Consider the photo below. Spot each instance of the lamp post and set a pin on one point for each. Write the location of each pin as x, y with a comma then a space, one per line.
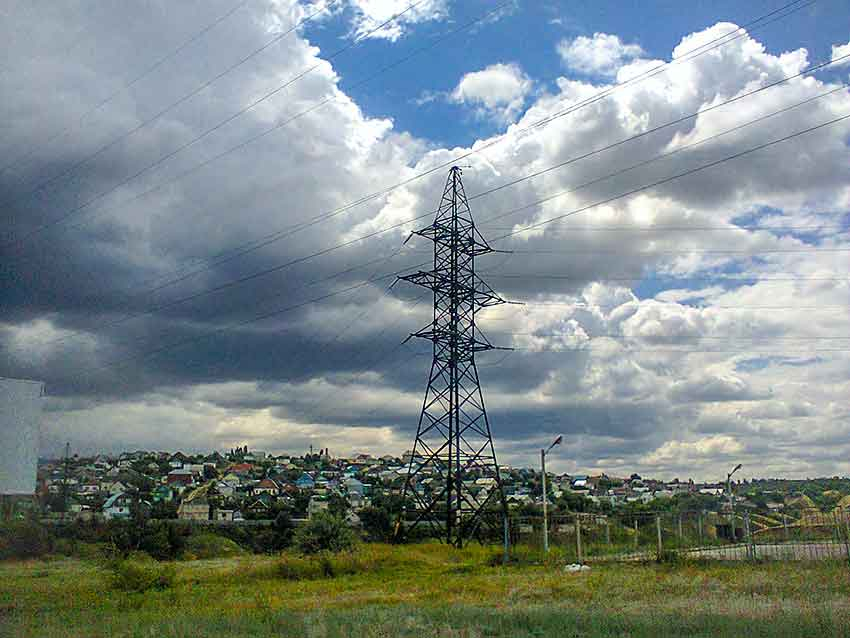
543, 453
731, 500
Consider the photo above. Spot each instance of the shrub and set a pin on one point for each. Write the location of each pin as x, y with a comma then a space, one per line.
283, 531
668, 556
77, 549
323, 565
297, 568
209, 545
324, 532
377, 524
141, 575
23, 539
156, 542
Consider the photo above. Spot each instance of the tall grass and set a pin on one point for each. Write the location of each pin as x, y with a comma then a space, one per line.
424, 590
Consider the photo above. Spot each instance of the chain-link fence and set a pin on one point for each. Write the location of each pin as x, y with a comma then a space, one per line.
747, 535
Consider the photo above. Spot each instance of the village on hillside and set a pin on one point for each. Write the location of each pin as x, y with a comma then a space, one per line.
247, 485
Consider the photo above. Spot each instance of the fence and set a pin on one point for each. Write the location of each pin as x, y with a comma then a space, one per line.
800, 535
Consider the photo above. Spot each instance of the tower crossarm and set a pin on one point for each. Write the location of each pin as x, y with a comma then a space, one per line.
477, 290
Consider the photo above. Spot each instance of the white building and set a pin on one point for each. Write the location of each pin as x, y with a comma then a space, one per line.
20, 419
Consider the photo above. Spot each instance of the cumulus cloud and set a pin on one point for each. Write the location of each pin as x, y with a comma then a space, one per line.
369, 14
661, 332
600, 54
498, 91
841, 51
684, 451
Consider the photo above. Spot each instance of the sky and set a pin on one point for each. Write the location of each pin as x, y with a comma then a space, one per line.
206, 202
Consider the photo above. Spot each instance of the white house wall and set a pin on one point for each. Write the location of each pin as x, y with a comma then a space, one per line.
20, 420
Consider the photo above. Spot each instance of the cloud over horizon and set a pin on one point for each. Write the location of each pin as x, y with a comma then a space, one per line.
668, 331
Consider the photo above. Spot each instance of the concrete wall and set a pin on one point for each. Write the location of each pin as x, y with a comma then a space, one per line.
20, 420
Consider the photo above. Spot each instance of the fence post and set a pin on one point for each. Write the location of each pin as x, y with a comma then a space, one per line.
637, 533
748, 537
658, 533
607, 532
785, 526
681, 535
506, 540
699, 526
846, 526
578, 537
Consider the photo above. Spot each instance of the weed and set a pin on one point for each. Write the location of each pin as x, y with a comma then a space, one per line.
141, 575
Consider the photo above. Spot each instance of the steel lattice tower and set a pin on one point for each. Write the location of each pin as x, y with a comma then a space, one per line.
454, 447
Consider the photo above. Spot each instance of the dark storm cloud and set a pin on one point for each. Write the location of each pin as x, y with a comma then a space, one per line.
151, 367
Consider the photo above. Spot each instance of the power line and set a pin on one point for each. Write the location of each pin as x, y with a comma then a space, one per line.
291, 262
578, 230
620, 336
592, 278
254, 319
686, 56
128, 85
650, 160
260, 135
177, 302
173, 105
672, 178
684, 118
583, 305
251, 247
297, 228
686, 351
679, 251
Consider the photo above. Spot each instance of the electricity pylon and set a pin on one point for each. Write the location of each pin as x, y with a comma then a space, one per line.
453, 480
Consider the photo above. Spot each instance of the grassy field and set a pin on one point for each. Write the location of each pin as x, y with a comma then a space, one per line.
426, 590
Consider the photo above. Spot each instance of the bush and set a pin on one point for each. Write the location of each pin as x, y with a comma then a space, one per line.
324, 532
23, 539
156, 542
325, 565
377, 524
71, 547
297, 568
209, 545
669, 556
141, 575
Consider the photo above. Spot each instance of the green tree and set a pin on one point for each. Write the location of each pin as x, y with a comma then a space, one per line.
337, 504
377, 523
324, 532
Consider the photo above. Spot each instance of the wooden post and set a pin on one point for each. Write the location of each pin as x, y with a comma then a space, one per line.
748, 536
637, 534
785, 526
506, 540
680, 529
846, 522
658, 534
699, 525
607, 532
578, 537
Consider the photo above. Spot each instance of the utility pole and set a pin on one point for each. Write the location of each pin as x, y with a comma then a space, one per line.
543, 453
731, 502
453, 439
65, 471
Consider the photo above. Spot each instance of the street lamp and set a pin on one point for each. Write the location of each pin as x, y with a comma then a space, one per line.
731, 500
543, 454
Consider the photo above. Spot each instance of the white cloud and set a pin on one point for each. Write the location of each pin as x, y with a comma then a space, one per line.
600, 54
681, 452
497, 91
368, 14
840, 51
709, 366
